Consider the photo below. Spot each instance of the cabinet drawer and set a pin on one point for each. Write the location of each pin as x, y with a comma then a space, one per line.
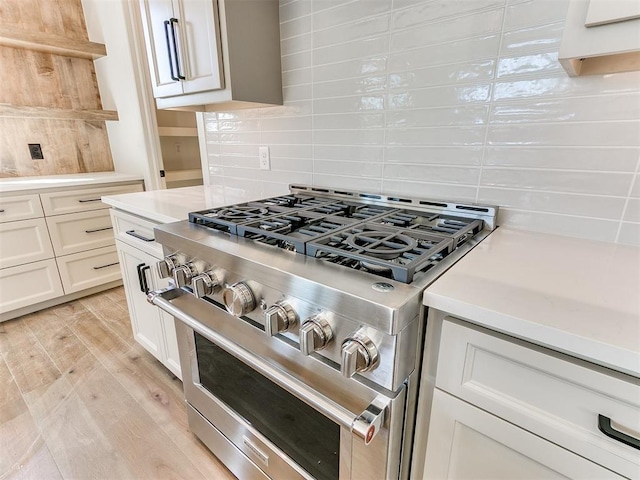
549, 394
23, 242
89, 269
71, 201
76, 232
136, 231
29, 284
20, 207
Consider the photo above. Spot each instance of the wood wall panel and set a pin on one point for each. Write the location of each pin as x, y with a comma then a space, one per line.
45, 80
59, 17
69, 146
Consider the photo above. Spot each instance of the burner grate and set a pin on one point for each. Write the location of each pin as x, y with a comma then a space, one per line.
457, 228
387, 251
294, 230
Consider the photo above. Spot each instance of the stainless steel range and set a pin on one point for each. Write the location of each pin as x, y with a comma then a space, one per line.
300, 325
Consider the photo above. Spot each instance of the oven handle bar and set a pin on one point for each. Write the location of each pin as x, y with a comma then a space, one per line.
365, 425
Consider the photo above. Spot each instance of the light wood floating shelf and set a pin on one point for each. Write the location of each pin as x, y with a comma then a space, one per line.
15, 111
178, 131
183, 175
48, 43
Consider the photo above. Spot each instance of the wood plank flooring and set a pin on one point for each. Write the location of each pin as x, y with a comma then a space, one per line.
79, 398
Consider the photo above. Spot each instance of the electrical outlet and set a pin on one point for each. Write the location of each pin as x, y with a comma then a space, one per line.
36, 151
265, 158
178, 147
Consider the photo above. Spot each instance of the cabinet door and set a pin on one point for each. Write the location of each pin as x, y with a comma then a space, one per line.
465, 442
172, 356
200, 57
160, 48
136, 269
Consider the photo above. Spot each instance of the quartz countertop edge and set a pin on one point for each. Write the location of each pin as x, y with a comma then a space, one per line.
22, 184
173, 205
575, 296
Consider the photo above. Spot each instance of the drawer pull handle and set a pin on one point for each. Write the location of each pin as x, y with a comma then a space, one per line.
89, 200
604, 425
105, 266
1, 210
98, 230
137, 235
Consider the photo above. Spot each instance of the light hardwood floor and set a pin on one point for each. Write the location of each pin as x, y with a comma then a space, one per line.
79, 398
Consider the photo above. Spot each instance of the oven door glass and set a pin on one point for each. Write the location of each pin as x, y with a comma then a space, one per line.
305, 435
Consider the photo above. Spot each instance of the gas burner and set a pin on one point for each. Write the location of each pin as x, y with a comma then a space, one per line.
381, 244
240, 213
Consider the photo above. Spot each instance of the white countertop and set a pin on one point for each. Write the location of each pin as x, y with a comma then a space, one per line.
165, 206
575, 296
15, 184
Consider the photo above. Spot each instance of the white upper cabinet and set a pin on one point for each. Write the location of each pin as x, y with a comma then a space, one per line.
207, 55
183, 46
601, 36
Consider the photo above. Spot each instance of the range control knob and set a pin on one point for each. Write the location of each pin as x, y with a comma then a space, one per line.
206, 283
279, 317
183, 274
165, 267
239, 299
315, 334
359, 354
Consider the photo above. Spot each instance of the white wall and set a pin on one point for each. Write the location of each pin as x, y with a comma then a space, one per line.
125, 87
452, 99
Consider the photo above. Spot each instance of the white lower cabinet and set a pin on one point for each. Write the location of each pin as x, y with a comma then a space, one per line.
152, 328
505, 408
28, 284
466, 442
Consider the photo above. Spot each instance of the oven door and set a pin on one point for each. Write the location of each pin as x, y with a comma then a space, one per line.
267, 411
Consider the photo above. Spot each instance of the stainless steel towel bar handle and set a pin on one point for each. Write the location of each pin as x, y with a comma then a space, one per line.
365, 425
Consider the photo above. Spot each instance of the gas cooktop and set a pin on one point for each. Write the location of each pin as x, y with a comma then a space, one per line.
391, 237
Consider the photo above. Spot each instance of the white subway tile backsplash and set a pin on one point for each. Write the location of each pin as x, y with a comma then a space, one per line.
582, 227
563, 158
471, 49
588, 134
349, 137
632, 211
351, 153
435, 10
430, 190
346, 87
545, 38
368, 27
433, 117
461, 136
349, 121
293, 28
457, 100
571, 204
351, 51
349, 69
576, 109
350, 169
457, 73
434, 155
301, 43
599, 183
540, 63
348, 182
432, 173
349, 11
535, 12
441, 96
629, 234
